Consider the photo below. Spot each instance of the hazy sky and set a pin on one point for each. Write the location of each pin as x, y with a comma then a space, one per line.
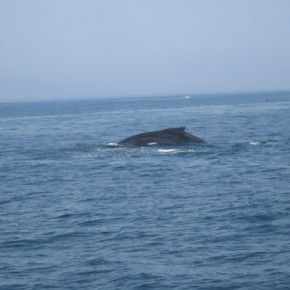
85, 48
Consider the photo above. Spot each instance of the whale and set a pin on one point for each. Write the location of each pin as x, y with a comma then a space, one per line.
170, 136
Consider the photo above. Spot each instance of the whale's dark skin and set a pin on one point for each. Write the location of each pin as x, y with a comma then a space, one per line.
171, 136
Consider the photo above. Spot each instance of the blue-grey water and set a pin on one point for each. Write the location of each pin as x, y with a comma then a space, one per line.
77, 212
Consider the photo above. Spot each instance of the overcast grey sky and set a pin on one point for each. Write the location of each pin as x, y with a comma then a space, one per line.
85, 48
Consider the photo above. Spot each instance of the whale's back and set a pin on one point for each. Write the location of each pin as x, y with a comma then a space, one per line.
170, 136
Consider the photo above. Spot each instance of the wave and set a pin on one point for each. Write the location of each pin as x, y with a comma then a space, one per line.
175, 151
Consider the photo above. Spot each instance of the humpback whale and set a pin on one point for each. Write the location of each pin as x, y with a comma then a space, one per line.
170, 136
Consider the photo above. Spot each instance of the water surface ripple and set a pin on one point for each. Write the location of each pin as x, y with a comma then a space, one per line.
77, 212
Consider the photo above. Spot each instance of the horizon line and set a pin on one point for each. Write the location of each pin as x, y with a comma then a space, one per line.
130, 96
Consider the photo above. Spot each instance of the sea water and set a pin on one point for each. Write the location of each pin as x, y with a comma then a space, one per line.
79, 212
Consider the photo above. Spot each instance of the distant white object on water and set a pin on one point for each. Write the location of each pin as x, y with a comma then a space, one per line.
256, 142
186, 97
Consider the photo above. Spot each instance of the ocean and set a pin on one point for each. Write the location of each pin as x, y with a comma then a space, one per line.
79, 212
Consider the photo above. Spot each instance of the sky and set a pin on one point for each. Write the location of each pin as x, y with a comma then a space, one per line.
74, 49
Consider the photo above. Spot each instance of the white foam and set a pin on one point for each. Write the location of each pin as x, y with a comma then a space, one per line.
183, 151
256, 142
113, 144
167, 150
153, 143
